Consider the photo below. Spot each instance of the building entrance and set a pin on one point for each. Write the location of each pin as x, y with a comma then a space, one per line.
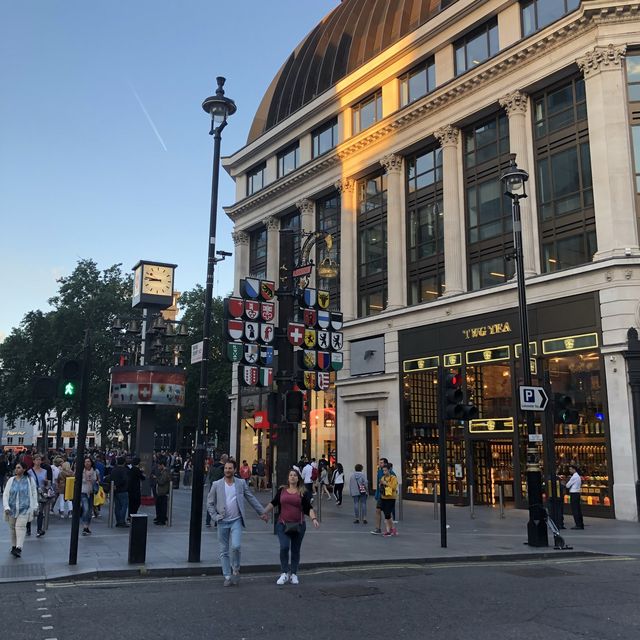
492, 468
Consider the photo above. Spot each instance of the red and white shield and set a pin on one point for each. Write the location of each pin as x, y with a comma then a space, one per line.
144, 392
267, 332
235, 307
267, 311
310, 316
252, 309
235, 329
295, 333
249, 376
323, 380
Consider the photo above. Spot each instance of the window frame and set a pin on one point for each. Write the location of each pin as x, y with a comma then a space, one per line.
258, 263
463, 42
286, 153
259, 169
356, 111
525, 4
322, 224
428, 67
329, 125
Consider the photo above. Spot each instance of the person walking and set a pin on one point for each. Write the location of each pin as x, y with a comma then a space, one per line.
381, 463
64, 507
20, 504
359, 491
163, 482
188, 468
215, 473
38, 474
294, 504
388, 495
574, 487
337, 480
226, 504
262, 473
135, 477
307, 476
89, 484
324, 483
120, 479
245, 472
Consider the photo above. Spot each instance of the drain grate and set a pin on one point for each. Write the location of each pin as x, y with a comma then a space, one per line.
539, 572
33, 570
354, 591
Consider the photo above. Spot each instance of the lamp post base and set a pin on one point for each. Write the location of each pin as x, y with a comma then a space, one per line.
537, 526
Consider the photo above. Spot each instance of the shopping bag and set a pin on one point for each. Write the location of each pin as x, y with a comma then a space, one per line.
68, 488
99, 498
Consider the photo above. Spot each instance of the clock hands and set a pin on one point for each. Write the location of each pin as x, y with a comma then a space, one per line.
154, 279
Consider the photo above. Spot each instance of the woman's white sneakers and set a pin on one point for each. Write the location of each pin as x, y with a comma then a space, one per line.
293, 579
283, 579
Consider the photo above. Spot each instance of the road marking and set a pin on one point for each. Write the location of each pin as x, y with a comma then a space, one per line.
40, 599
47, 628
43, 608
46, 615
39, 590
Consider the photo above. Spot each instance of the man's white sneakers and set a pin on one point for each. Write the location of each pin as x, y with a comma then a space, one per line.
293, 579
283, 579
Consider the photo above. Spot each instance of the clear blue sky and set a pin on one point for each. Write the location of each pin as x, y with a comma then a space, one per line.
84, 172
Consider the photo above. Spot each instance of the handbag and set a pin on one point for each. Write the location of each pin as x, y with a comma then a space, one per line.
292, 527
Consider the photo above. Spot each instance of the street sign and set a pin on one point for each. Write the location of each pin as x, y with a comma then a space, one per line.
304, 270
533, 398
197, 352
535, 437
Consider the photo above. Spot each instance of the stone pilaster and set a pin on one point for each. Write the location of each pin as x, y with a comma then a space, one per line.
272, 225
240, 259
307, 210
348, 248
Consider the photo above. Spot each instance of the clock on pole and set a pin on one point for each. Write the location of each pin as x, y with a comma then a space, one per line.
153, 284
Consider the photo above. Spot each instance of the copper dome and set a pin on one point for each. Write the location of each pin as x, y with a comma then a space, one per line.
351, 35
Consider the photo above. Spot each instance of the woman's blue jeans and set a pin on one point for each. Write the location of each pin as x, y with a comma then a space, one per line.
87, 505
291, 543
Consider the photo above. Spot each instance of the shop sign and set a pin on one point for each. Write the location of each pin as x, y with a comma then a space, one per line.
486, 330
570, 343
16, 433
491, 425
453, 360
483, 356
533, 349
421, 364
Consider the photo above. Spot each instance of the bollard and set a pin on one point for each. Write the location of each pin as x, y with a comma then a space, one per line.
170, 505
318, 508
471, 505
112, 498
501, 500
435, 501
138, 538
400, 503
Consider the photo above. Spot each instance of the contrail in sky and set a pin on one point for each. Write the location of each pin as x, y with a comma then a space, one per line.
148, 117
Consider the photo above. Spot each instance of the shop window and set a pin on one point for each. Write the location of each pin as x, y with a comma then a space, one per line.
325, 138
292, 221
10, 440
255, 178
425, 226
537, 14
367, 112
258, 253
477, 46
288, 160
563, 172
328, 220
488, 210
418, 82
372, 245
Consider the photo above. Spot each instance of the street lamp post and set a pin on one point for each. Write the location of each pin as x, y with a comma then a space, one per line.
514, 180
219, 107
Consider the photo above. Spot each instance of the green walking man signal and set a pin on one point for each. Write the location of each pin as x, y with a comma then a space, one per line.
70, 379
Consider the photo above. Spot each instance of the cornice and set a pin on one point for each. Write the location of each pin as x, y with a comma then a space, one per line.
504, 63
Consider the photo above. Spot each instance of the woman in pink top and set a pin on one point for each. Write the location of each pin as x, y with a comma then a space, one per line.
294, 503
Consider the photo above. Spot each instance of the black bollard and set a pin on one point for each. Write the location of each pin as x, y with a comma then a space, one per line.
138, 538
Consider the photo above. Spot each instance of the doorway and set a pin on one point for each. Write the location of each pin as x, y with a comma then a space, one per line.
492, 469
373, 450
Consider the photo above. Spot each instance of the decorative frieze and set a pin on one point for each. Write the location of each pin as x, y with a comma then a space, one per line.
607, 58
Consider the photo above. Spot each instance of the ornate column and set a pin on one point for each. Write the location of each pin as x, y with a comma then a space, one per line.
396, 237
348, 248
273, 247
611, 154
454, 258
515, 104
241, 258
307, 210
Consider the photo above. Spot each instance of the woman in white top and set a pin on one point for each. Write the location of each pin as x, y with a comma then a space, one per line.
338, 483
20, 504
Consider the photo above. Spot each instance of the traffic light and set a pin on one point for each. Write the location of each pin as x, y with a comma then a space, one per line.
564, 411
454, 405
69, 386
294, 406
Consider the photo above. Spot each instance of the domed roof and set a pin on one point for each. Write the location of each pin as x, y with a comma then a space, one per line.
352, 34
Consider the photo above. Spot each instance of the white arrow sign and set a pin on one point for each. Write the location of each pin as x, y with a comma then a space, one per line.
533, 398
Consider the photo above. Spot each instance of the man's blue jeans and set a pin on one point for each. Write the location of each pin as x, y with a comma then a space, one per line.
230, 532
121, 505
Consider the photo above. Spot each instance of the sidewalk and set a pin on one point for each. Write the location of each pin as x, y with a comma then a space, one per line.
338, 541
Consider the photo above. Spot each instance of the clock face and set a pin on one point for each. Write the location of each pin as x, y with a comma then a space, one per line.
157, 280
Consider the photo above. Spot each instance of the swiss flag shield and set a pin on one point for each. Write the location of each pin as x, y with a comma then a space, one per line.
295, 333
144, 392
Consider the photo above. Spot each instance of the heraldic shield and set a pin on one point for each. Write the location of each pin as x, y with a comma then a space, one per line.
337, 340
307, 359
266, 354
251, 330
309, 297
323, 339
310, 338
252, 309
323, 299
337, 360
324, 380
267, 311
267, 332
250, 287
266, 376
235, 351
309, 380
235, 307
267, 290
251, 353
309, 316
295, 333
235, 329
248, 375
324, 319
324, 360
336, 320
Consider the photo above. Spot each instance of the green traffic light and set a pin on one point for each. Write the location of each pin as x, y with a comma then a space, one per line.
69, 389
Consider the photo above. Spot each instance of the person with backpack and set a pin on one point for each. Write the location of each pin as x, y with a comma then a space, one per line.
359, 491
337, 480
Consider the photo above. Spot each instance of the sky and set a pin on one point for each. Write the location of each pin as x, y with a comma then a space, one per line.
104, 146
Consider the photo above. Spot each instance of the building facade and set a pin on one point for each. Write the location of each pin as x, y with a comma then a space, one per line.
389, 126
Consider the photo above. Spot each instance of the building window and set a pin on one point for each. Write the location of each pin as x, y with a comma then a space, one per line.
328, 220
488, 210
288, 160
632, 63
325, 137
417, 82
367, 112
10, 440
477, 46
292, 221
537, 14
372, 245
255, 178
425, 229
563, 172
258, 253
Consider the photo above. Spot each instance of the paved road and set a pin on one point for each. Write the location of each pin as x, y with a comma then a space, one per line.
571, 598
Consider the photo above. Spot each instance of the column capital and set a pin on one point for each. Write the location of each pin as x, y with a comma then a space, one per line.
306, 206
392, 163
345, 185
240, 237
514, 103
271, 223
447, 136
600, 59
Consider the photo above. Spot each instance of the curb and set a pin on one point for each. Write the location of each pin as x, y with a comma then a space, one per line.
202, 571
